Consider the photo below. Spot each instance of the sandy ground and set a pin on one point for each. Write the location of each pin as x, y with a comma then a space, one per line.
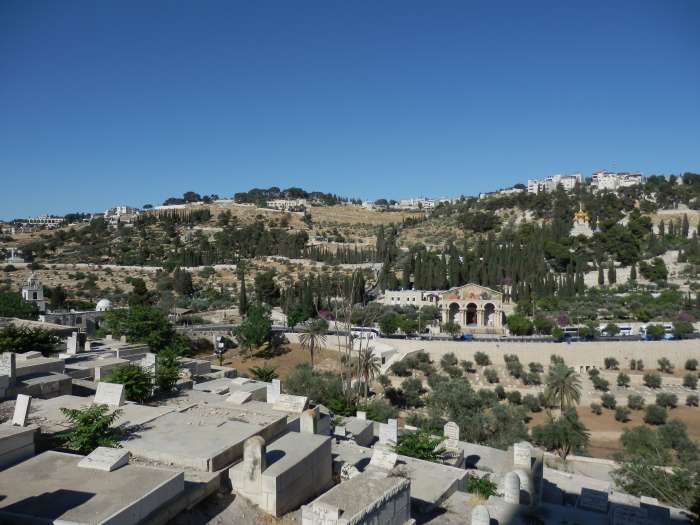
284, 361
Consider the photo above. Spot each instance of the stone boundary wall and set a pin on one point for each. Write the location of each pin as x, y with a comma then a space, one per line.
575, 354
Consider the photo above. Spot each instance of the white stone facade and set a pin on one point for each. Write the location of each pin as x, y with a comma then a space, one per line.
549, 184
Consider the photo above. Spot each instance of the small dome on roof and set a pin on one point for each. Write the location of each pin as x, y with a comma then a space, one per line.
103, 305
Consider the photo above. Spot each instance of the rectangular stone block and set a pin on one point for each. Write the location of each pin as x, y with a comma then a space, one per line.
22, 405
239, 398
8, 366
106, 459
110, 394
383, 459
290, 403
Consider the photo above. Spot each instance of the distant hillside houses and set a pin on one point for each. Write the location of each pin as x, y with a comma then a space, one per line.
288, 204
518, 188
608, 180
121, 215
549, 184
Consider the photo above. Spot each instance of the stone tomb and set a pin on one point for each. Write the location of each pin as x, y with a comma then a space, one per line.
285, 474
511, 488
22, 405
480, 515
308, 421
362, 499
16, 444
110, 394
212, 434
361, 431
52, 488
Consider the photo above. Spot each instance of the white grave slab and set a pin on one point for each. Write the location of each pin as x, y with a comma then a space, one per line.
361, 415
111, 394
290, 403
105, 458
240, 397
339, 431
22, 405
8, 365
383, 459
451, 432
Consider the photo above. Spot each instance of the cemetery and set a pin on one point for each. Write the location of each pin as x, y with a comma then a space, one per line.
280, 454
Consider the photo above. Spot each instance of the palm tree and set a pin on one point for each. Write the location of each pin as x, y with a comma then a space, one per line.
563, 387
368, 366
313, 337
264, 373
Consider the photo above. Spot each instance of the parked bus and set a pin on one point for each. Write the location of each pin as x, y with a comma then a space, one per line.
364, 332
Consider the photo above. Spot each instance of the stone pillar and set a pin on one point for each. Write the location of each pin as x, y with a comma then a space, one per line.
511, 488
480, 515
480, 321
72, 344
308, 421
254, 462
8, 366
525, 486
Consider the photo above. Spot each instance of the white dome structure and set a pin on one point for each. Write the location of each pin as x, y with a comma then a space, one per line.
103, 305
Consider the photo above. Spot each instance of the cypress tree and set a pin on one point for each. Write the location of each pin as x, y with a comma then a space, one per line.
601, 276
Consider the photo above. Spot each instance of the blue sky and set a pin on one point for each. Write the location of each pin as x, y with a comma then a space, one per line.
129, 102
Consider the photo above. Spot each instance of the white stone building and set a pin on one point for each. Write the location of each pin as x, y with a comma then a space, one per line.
121, 215
549, 184
33, 292
287, 204
607, 180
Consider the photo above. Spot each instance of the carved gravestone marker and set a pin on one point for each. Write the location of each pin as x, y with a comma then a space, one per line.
110, 394
148, 363
388, 434
451, 432
361, 415
522, 455
8, 366
511, 488
22, 405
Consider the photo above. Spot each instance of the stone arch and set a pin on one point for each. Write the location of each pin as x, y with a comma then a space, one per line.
453, 313
471, 314
489, 314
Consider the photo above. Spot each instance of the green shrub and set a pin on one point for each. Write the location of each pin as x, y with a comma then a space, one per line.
491, 375
635, 402
622, 414
665, 365
482, 359
666, 400
655, 415
500, 391
690, 380
652, 380
691, 364
608, 401
600, 384
611, 363
467, 366
596, 409
448, 360
514, 397
91, 427
593, 372
623, 380
531, 403
138, 384
692, 400
420, 445
481, 486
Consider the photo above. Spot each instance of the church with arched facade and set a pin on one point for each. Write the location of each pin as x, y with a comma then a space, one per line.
474, 308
